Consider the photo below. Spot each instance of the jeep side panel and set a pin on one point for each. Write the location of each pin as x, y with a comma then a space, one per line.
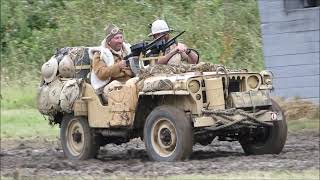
119, 112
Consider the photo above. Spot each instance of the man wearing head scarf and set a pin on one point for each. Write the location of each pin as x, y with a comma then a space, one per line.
108, 67
176, 53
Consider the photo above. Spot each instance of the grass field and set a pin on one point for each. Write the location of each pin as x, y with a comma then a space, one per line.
25, 123
303, 125
29, 123
17, 95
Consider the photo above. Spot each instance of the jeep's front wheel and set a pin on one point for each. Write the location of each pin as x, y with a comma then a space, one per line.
77, 139
168, 134
272, 140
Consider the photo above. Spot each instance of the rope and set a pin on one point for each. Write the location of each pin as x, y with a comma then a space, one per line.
225, 125
228, 121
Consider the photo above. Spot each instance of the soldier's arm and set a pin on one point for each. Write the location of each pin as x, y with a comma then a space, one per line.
190, 56
101, 69
164, 59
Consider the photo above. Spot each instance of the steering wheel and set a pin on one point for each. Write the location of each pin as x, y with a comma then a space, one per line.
195, 51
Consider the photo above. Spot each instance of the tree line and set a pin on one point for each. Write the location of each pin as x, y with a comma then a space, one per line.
223, 31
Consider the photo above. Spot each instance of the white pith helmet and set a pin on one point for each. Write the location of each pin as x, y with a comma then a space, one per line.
66, 67
49, 69
159, 26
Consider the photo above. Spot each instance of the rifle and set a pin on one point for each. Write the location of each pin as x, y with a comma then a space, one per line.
161, 46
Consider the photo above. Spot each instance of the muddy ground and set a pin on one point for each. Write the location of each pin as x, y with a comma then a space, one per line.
38, 158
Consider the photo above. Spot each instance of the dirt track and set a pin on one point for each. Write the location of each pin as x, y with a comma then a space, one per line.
44, 158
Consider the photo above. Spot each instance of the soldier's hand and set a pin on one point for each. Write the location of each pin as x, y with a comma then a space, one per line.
96, 54
181, 48
122, 64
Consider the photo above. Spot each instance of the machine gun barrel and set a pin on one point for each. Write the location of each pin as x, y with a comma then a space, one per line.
171, 41
142, 47
162, 46
154, 42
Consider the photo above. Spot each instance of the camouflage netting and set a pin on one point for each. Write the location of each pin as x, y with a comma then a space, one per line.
177, 69
165, 84
76, 54
158, 85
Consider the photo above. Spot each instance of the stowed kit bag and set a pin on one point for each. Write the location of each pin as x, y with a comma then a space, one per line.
80, 58
48, 97
58, 96
70, 92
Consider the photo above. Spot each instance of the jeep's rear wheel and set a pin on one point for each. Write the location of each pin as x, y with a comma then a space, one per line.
77, 139
272, 140
168, 134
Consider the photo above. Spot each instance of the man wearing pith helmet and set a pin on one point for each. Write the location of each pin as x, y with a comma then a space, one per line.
176, 53
108, 67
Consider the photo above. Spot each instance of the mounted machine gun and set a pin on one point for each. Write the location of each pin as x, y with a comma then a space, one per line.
151, 51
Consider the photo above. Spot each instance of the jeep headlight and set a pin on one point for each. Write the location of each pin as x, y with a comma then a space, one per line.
194, 86
253, 82
267, 77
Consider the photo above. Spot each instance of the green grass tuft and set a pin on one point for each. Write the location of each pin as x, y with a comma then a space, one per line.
18, 96
25, 123
304, 125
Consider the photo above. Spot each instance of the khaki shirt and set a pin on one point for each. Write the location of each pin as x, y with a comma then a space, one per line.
176, 59
104, 72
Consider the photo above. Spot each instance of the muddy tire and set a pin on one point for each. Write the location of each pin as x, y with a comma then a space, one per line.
274, 142
168, 134
77, 139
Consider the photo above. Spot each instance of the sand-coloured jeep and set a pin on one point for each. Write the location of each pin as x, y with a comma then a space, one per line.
169, 107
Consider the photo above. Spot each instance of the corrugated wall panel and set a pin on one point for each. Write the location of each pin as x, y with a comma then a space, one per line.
289, 60
295, 71
290, 26
273, 11
304, 92
270, 6
285, 48
291, 48
286, 39
303, 81
275, 15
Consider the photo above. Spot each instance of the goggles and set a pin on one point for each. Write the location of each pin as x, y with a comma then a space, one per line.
115, 31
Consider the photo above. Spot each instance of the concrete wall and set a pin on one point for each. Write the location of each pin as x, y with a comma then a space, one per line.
291, 48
